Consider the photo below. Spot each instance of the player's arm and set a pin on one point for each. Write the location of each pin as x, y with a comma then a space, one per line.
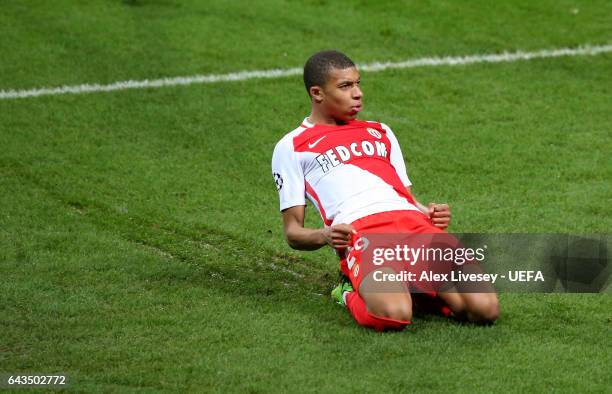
289, 178
299, 237
439, 214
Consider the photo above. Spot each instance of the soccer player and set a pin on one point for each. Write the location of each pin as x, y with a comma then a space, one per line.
353, 172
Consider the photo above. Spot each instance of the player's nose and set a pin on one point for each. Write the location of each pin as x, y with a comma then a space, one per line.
357, 93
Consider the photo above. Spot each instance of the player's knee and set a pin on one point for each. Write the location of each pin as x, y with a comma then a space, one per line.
486, 311
397, 311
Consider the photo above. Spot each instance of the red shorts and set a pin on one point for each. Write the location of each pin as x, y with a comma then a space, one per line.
408, 222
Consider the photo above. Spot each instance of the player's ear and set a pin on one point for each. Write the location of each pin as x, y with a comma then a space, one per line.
316, 93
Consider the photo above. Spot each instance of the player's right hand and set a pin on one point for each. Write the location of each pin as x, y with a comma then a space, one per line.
339, 235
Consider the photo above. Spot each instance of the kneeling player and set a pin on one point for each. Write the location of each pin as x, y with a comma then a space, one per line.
354, 174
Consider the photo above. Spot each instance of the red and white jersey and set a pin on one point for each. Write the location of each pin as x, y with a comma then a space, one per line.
347, 172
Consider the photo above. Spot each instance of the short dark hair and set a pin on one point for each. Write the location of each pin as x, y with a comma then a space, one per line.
319, 65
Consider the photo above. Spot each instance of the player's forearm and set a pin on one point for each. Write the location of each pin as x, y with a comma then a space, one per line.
422, 207
305, 238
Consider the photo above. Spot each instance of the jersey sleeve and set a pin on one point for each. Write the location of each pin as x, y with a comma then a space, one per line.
288, 175
397, 160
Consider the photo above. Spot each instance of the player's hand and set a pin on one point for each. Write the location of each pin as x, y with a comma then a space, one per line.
440, 215
339, 236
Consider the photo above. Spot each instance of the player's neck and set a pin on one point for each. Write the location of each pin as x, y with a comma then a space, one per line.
323, 119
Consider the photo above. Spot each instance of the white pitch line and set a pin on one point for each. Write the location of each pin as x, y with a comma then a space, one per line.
279, 73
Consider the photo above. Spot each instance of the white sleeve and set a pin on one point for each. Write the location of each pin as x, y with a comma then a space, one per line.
288, 175
397, 160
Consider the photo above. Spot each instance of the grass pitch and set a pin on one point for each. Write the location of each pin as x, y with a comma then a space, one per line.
141, 247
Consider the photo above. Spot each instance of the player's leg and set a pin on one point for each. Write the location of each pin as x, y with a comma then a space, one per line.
480, 308
386, 308
356, 305
379, 305
385, 298
474, 302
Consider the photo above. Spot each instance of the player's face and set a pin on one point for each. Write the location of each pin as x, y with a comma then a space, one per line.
342, 97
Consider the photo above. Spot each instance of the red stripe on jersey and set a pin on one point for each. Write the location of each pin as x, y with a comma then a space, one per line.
390, 177
314, 195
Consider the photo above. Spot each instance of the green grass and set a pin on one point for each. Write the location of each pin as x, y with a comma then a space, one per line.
140, 243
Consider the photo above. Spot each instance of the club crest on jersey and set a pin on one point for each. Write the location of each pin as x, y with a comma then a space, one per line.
374, 133
341, 153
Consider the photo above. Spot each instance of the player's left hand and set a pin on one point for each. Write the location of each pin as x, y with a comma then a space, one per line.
440, 215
